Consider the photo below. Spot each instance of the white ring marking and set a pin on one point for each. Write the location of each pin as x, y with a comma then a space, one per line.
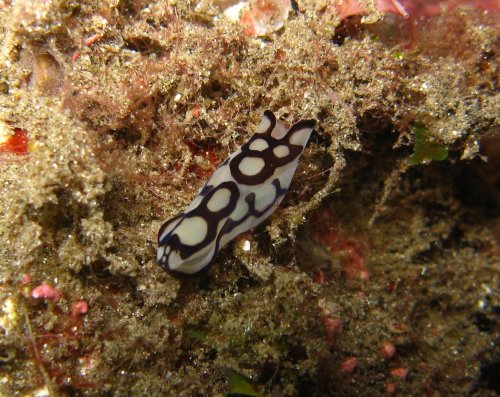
258, 144
219, 200
281, 151
192, 231
251, 166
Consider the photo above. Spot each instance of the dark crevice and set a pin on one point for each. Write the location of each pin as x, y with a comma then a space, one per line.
144, 45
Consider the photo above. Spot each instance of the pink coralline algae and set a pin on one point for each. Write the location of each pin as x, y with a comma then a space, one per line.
79, 307
45, 291
346, 8
408, 8
349, 364
262, 17
26, 279
400, 372
333, 327
265, 16
390, 388
352, 250
388, 350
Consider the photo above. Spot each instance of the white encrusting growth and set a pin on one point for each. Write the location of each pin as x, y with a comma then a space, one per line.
242, 192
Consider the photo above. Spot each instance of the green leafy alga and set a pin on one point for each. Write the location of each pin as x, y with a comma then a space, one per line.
241, 385
424, 148
196, 335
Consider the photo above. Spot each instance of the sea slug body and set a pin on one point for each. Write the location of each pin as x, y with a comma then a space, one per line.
241, 193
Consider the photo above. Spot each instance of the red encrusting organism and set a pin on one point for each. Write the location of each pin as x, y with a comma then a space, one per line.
400, 372
208, 154
349, 364
388, 350
352, 251
16, 143
332, 327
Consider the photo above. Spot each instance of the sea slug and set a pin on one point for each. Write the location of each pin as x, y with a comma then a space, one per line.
241, 193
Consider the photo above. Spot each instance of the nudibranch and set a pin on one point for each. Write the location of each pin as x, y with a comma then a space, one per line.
241, 193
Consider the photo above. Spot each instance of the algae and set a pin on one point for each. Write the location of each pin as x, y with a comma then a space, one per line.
240, 385
129, 106
424, 149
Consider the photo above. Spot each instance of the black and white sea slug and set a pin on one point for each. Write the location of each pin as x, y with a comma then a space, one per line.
241, 193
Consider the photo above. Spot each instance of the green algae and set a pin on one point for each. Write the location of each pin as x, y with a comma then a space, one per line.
196, 335
424, 148
241, 385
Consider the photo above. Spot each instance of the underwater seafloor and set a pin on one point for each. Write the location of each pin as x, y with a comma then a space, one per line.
379, 273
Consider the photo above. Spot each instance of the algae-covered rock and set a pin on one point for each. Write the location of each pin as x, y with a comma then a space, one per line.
128, 106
